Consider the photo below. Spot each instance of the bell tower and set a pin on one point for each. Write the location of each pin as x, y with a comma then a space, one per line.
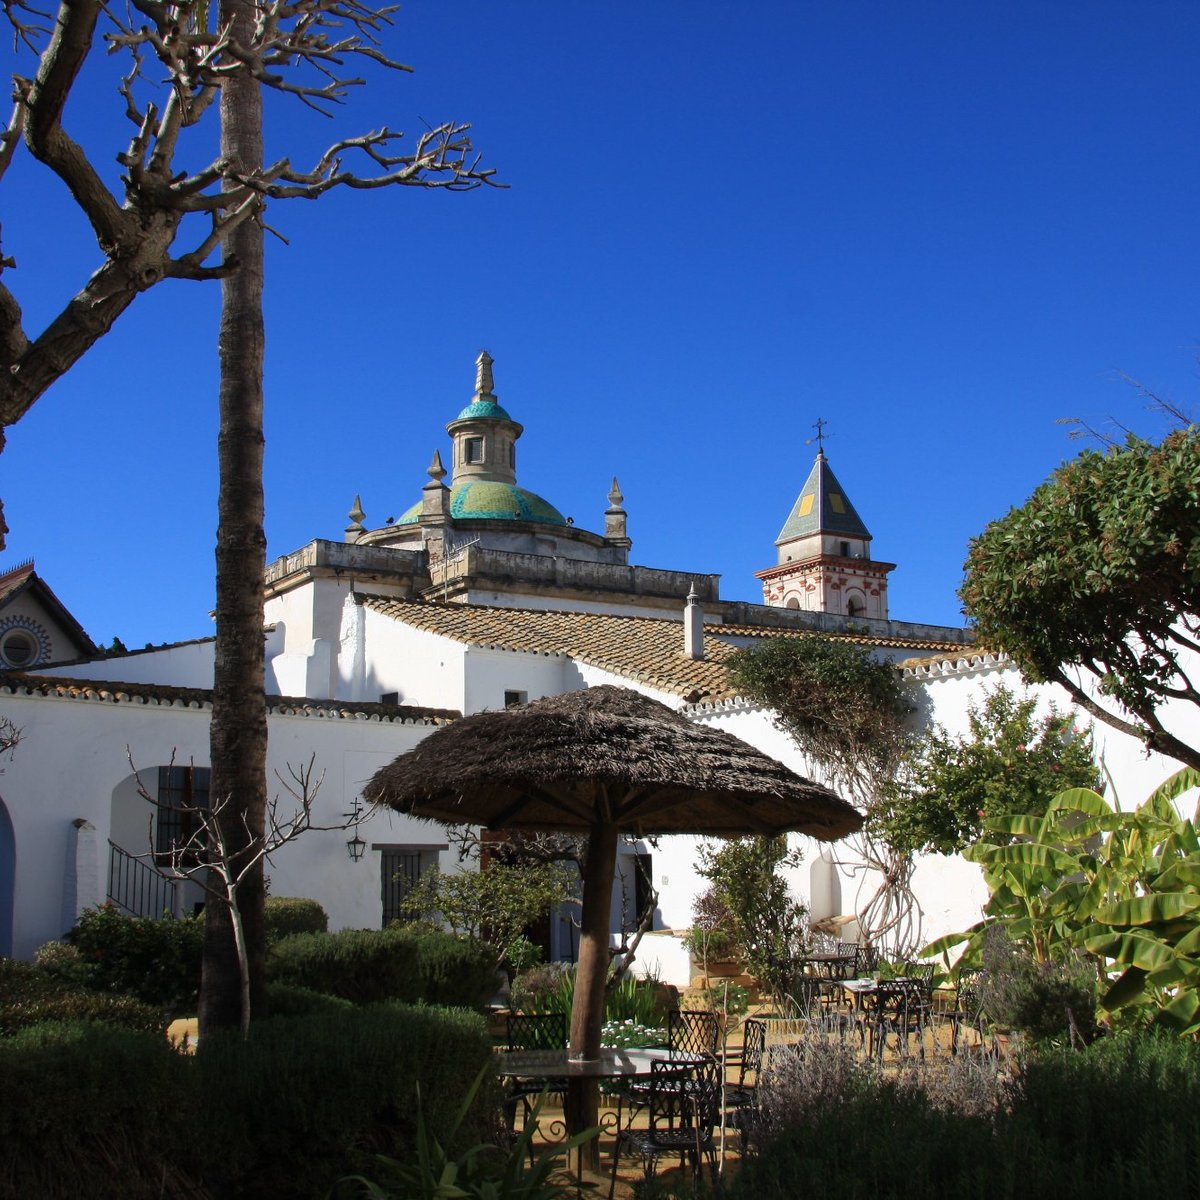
824, 559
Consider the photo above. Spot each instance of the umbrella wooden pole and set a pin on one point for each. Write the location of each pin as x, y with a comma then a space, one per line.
591, 975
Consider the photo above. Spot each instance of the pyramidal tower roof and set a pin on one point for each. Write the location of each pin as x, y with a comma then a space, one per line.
822, 507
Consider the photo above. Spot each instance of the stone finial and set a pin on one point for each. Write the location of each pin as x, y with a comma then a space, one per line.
484, 383
616, 530
356, 528
435, 495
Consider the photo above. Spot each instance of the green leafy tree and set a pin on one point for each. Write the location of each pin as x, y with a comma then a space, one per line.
494, 904
768, 922
1010, 761
844, 708
849, 712
1094, 584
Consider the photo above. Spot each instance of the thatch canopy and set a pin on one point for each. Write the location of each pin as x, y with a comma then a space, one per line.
604, 755
603, 761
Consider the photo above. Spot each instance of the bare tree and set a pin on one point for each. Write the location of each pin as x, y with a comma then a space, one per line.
223, 866
139, 217
200, 51
10, 736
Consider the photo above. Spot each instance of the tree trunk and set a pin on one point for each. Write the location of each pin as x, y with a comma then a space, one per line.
591, 974
239, 718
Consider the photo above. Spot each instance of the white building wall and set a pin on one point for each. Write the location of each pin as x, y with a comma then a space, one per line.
424, 669
73, 764
185, 664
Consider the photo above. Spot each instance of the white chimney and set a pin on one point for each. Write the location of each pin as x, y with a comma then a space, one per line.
693, 626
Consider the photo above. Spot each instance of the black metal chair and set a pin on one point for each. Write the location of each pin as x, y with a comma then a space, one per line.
897, 1008
683, 1105
694, 1032
742, 1097
968, 1007
809, 1003
533, 1031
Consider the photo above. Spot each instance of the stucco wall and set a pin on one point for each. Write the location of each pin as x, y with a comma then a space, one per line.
73, 763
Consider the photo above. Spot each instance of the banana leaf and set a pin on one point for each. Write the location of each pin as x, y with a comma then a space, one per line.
1131, 950
1149, 910
1125, 990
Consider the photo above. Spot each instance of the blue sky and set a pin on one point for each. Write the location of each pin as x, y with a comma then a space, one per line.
941, 227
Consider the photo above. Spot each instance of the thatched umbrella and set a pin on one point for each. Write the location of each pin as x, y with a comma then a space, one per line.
603, 762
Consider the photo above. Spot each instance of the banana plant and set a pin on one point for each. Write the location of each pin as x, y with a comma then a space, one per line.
1124, 886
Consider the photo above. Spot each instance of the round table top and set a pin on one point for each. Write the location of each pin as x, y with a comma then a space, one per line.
608, 1065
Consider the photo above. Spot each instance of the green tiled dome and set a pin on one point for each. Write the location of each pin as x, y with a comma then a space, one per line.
486, 500
483, 408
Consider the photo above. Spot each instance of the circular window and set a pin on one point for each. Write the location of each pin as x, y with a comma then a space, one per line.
23, 644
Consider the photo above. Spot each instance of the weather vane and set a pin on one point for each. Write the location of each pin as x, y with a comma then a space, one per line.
819, 425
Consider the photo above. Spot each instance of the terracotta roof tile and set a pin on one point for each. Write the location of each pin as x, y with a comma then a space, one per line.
647, 650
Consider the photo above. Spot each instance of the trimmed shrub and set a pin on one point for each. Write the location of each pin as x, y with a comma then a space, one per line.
309, 1099
455, 972
31, 994
156, 961
283, 1000
370, 966
361, 965
294, 914
88, 1110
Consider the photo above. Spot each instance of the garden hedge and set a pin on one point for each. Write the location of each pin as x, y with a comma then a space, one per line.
369, 966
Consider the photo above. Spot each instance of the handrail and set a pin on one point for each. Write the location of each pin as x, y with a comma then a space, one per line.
137, 887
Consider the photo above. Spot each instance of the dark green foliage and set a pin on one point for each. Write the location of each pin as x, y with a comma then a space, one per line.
156, 961
360, 965
286, 915
1122, 1118
1052, 1001
1118, 1097
482, 1172
30, 995
768, 924
283, 1000
308, 1099
367, 966
1099, 570
455, 971
1010, 762
842, 707
91, 1111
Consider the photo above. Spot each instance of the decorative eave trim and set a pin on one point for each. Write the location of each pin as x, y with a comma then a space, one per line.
961, 664
158, 695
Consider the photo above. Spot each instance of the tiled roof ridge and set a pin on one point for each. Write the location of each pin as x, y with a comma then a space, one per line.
377, 600
669, 673
843, 635
713, 629
113, 692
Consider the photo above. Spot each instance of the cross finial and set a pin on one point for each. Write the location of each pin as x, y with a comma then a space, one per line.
819, 425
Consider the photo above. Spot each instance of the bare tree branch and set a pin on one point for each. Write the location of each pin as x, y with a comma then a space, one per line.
298, 48
209, 857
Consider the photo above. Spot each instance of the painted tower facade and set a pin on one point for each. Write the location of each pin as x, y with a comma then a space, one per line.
824, 559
